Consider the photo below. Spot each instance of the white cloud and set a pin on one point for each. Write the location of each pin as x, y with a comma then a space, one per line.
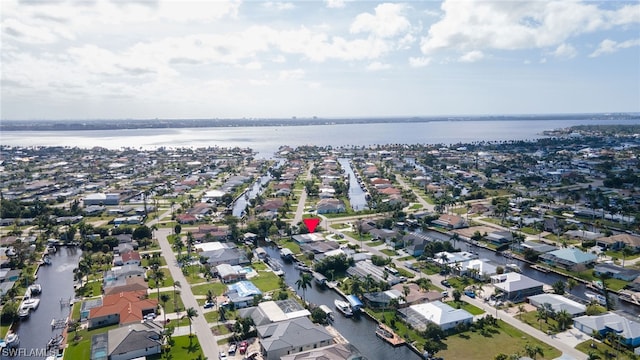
278, 5
609, 46
419, 61
565, 51
295, 74
335, 4
378, 66
253, 65
513, 25
388, 21
472, 56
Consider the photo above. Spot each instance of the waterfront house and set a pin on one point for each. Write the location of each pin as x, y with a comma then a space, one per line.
515, 286
130, 342
479, 269
449, 221
122, 308
222, 253
436, 312
123, 272
616, 272
628, 330
101, 199
268, 312
331, 352
569, 258
125, 285
292, 336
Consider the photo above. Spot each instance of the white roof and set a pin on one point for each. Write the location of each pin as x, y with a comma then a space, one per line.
210, 246
440, 313
513, 281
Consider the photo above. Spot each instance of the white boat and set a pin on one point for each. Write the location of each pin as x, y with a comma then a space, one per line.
35, 289
30, 304
12, 340
24, 313
46, 260
597, 297
513, 267
343, 307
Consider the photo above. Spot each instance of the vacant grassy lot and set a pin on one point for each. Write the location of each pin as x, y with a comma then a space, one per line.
504, 339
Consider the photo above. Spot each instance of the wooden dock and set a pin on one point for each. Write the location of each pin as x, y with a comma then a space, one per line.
386, 334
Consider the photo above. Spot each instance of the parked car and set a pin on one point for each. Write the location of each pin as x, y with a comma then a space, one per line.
445, 283
243, 347
150, 316
470, 294
232, 349
222, 355
209, 304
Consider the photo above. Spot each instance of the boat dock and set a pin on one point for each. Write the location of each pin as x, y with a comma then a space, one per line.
386, 334
58, 324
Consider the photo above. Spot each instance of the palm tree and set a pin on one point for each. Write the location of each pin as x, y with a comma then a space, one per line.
533, 351
190, 314
190, 242
571, 283
563, 318
303, 283
356, 286
210, 295
369, 281
163, 299
626, 251
158, 276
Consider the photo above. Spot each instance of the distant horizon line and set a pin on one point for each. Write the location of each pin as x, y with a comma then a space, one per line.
362, 117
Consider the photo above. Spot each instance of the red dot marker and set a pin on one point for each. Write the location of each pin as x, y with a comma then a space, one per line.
311, 223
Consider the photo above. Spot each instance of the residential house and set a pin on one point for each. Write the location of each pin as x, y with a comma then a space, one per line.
616, 272
616, 242
331, 352
330, 206
480, 269
242, 293
225, 255
499, 237
569, 258
268, 312
382, 299
292, 336
127, 258
628, 330
122, 308
558, 303
449, 221
126, 285
516, 287
436, 312
230, 273
134, 341
123, 272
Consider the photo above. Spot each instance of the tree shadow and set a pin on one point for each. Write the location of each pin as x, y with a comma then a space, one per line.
192, 347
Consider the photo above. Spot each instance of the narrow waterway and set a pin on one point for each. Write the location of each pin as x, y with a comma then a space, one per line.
359, 331
357, 196
57, 290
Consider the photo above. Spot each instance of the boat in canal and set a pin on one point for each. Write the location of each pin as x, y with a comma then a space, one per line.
55, 341
597, 297
12, 340
30, 304
343, 307
35, 289
327, 310
24, 314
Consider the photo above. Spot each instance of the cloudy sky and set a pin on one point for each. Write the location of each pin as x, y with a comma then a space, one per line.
333, 58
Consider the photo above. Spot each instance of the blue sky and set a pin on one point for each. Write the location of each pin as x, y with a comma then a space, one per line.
335, 58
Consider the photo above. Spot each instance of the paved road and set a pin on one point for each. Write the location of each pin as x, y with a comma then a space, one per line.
200, 327
303, 199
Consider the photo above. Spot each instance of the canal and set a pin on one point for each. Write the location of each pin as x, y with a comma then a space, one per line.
548, 278
359, 331
256, 188
57, 290
357, 196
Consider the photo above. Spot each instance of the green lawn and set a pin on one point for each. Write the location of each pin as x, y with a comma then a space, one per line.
217, 287
145, 262
266, 281
291, 245
388, 252
81, 349
168, 280
194, 275
92, 288
601, 349
473, 310
544, 326
170, 307
504, 339
185, 347
4, 329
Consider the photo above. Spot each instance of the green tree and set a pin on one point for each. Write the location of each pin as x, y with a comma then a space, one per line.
533, 351
303, 283
190, 314
558, 287
163, 299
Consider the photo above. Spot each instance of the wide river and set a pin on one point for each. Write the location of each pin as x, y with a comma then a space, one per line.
266, 140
